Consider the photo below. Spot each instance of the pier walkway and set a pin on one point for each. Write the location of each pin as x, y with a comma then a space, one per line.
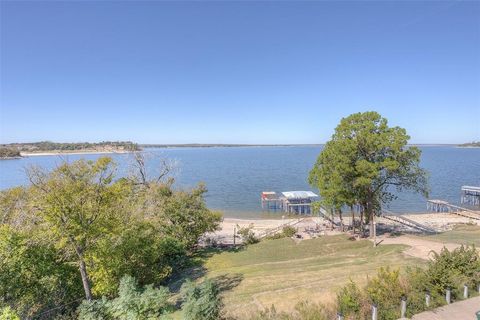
407, 222
444, 206
461, 310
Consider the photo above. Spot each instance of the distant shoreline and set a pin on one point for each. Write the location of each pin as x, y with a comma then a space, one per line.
60, 153
229, 145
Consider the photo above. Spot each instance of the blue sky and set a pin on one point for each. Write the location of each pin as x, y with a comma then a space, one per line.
236, 72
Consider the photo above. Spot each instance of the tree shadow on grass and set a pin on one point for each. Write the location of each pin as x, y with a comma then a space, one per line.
195, 269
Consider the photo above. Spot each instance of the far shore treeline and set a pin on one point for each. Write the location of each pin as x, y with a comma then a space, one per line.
16, 149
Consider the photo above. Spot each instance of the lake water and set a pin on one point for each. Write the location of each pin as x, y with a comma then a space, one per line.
235, 176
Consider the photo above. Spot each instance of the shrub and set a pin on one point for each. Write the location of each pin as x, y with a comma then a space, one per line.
386, 290
202, 301
303, 311
349, 299
132, 303
247, 234
452, 269
287, 232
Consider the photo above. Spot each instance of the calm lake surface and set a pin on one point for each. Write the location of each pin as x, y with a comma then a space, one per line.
235, 176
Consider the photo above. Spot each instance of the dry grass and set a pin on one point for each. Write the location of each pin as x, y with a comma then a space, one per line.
283, 273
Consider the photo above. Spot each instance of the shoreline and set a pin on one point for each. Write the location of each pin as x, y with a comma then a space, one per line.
61, 153
439, 221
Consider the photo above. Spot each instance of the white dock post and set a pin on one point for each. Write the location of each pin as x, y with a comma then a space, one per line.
427, 299
403, 307
374, 312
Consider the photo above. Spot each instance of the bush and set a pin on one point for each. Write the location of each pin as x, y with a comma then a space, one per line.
349, 299
132, 303
201, 302
247, 234
447, 269
287, 232
386, 290
303, 311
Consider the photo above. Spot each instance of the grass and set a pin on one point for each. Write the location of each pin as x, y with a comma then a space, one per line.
461, 234
283, 273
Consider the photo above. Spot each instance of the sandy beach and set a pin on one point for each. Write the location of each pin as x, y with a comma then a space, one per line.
438, 221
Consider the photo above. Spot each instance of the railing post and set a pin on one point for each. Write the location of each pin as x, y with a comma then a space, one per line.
465, 291
374, 312
427, 299
448, 295
339, 316
403, 307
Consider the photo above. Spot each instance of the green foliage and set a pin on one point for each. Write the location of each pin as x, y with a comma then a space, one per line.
184, 214
349, 299
363, 161
8, 314
386, 290
34, 277
247, 234
202, 301
452, 269
132, 303
303, 311
287, 232
447, 269
79, 217
139, 250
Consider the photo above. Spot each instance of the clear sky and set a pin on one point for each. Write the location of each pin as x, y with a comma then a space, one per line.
236, 72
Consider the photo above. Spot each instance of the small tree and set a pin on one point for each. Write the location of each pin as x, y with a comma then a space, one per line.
202, 301
132, 302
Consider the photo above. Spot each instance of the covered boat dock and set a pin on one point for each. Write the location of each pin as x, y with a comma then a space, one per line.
297, 202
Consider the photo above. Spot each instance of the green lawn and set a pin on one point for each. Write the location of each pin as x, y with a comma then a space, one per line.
462, 234
283, 273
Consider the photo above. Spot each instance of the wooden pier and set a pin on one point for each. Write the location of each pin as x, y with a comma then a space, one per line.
446, 207
470, 196
407, 222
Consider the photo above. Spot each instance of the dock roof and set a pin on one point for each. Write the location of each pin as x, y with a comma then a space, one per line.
299, 194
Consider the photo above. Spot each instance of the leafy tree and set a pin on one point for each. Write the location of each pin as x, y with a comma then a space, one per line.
363, 161
79, 205
141, 251
184, 214
34, 276
202, 301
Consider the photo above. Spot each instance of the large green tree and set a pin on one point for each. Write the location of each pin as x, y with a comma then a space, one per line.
81, 216
365, 163
78, 205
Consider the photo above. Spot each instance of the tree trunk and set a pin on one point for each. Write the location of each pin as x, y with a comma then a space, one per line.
341, 220
353, 219
85, 280
362, 228
83, 270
